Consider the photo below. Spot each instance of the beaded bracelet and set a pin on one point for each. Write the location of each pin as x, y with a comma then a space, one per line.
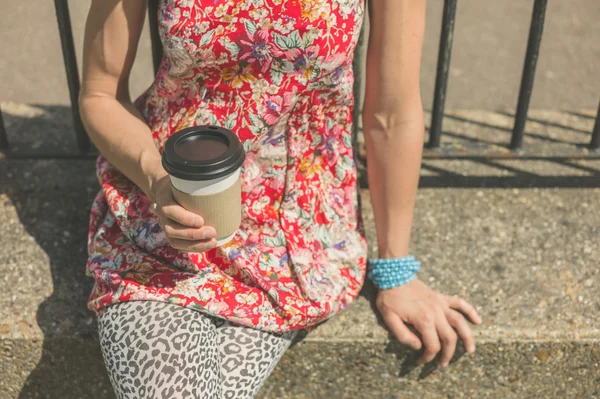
388, 273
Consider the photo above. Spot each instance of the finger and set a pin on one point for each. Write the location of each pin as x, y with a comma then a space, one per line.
176, 212
401, 331
465, 307
458, 321
177, 230
447, 336
193, 246
425, 324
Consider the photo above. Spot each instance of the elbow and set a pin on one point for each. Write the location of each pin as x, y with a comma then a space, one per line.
83, 105
90, 105
86, 107
389, 120
85, 100
390, 125
89, 101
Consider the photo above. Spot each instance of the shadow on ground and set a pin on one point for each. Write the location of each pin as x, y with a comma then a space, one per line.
53, 201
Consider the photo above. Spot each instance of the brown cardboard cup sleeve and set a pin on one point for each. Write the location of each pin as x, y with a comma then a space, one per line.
221, 210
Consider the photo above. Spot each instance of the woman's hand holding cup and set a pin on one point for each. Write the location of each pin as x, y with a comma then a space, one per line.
204, 165
185, 230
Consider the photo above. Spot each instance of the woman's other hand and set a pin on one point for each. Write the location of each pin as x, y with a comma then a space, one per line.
185, 230
435, 316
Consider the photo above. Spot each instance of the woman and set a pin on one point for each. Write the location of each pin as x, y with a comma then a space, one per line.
180, 317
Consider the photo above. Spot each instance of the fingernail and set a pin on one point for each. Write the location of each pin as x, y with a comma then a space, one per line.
471, 348
198, 222
444, 364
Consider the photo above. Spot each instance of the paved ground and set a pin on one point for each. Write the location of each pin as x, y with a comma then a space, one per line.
487, 60
501, 234
519, 239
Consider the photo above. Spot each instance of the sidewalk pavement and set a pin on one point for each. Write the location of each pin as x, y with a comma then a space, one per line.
518, 239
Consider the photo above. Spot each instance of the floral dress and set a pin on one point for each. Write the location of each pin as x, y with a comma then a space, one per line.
278, 73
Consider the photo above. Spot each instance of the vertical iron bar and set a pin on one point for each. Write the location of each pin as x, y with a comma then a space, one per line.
157, 50
533, 48
441, 77
3, 136
68, 50
595, 144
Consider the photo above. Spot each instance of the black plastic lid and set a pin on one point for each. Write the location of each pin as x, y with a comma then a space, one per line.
202, 153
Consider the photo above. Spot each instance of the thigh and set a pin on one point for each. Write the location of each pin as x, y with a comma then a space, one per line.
159, 350
248, 357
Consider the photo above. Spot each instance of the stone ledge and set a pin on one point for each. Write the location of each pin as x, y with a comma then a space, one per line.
526, 257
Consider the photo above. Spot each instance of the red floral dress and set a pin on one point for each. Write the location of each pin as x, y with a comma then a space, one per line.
278, 73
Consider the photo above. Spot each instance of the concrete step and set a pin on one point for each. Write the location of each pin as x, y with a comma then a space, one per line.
527, 257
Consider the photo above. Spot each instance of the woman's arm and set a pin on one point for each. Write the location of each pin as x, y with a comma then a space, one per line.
393, 119
394, 130
117, 128
113, 123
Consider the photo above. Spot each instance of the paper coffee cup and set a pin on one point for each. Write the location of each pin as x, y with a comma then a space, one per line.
204, 164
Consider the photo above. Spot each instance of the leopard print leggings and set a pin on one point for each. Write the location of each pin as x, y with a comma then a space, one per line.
160, 350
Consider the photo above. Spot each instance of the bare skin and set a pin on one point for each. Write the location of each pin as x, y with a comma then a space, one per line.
394, 134
111, 38
393, 123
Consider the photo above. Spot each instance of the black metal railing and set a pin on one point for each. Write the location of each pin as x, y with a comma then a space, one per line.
68, 51
433, 147
157, 50
533, 47
441, 77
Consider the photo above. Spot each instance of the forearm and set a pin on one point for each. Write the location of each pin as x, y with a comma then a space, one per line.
393, 119
393, 164
122, 136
